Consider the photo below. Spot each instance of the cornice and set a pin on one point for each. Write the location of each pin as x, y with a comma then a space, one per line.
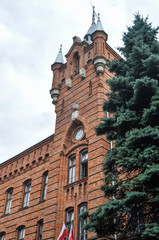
27, 151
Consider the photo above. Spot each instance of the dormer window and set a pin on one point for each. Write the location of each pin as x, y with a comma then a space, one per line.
76, 63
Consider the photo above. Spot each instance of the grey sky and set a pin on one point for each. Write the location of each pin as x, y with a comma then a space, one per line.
31, 32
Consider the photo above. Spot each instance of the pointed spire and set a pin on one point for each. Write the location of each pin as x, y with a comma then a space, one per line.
92, 27
93, 16
99, 24
59, 58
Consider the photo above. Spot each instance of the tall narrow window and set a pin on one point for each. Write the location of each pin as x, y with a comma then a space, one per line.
95, 48
82, 233
2, 235
76, 62
69, 218
45, 181
111, 144
40, 229
90, 87
84, 163
21, 233
103, 48
62, 106
71, 168
108, 115
27, 189
9, 200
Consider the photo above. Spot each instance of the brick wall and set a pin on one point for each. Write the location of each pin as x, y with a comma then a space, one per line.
52, 153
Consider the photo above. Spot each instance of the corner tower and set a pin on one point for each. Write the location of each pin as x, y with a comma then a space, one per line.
78, 91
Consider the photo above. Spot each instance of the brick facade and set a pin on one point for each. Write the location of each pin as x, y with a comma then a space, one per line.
87, 94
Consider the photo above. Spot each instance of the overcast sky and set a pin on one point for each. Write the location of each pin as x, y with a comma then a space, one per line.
31, 32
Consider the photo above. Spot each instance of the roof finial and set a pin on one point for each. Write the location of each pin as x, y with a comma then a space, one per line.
98, 16
61, 48
93, 15
99, 24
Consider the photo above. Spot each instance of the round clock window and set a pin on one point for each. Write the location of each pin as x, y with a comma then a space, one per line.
79, 134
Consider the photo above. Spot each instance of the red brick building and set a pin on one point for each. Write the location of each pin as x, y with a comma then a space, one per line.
56, 179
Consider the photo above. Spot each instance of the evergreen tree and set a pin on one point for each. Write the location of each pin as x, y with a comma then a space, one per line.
131, 168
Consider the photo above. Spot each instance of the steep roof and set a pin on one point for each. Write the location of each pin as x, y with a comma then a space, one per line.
94, 27
59, 58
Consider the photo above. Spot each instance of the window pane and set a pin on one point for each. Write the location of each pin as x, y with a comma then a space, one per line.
8, 206
84, 164
45, 181
70, 162
40, 230
2, 236
8, 203
69, 219
9, 195
84, 156
26, 199
27, 189
28, 196
45, 191
71, 171
73, 174
73, 161
70, 175
82, 232
21, 234
84, 169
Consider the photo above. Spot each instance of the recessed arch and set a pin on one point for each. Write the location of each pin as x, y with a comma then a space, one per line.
76, 61
67, 142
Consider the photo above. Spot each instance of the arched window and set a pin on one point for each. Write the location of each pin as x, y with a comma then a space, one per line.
27, 189
71, 168
84, 163
69, 218
21, 233
2, 235
76, 62
82, 234
40, 229
44, 185
9, 200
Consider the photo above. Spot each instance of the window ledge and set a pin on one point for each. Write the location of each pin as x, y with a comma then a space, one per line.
76, 182
5, 215
42, 200
23, 208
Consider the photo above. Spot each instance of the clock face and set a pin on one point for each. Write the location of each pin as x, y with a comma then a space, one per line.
79, 134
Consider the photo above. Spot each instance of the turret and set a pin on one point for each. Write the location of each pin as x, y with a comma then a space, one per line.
99, 37
55, 90
92, 28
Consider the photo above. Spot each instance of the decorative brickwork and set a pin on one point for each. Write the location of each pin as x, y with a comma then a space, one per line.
87, 90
